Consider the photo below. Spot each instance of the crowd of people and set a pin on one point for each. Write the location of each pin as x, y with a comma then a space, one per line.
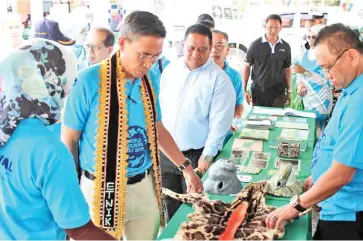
93, 127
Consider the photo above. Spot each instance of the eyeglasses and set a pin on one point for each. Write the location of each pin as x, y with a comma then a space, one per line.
327, 70
144, 57
94, 47
153, 58
201, 50
218, 47
311, 37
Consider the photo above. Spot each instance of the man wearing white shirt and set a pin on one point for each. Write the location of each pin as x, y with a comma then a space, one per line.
197, 102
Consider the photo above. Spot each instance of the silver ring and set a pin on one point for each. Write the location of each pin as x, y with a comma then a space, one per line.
273, 218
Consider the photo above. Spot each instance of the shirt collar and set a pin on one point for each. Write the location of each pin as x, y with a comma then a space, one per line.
264, 39
199, 68
356, 83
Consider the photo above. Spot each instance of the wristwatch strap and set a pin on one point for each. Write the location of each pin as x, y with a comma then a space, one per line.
186, 163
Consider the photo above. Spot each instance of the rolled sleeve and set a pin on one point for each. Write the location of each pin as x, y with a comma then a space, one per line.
349, 146
60, 188
220, 115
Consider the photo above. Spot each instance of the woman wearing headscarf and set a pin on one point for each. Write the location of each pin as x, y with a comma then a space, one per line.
312, 85
39, 193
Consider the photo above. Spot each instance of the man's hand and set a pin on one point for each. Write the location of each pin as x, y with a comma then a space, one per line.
248, 97
308, 183
193, 181
280, 216
296, 68
203, 165
301, 89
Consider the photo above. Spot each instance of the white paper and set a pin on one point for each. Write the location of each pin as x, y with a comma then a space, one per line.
292, 112
268, 111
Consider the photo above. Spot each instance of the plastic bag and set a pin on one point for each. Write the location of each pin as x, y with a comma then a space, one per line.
296, 102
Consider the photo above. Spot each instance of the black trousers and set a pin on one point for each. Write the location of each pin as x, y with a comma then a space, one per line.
173, 179
271, 97
340, 230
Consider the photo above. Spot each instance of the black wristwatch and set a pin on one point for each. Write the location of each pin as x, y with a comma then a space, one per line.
184, 165
295, 203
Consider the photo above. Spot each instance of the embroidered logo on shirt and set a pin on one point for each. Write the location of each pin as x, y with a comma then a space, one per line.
137, 146
6, 163
282, 50
5, 168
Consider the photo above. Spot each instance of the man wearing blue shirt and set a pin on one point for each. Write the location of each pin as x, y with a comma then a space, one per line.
336, 184
112, 124
220, 50
197, 101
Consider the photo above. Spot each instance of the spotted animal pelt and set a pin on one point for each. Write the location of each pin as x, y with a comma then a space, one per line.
210, 217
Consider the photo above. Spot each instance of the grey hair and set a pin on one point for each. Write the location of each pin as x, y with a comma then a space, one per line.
142, 23
225, 35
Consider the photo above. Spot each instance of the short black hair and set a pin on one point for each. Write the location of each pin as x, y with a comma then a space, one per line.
338, 38
110, 37
208, 24
206, 17
199, 29
225, 35
273, 17
142, 23
318, 16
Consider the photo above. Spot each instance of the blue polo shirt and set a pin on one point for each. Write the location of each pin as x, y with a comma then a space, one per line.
39, 191
342, 141
81, 115
236, 82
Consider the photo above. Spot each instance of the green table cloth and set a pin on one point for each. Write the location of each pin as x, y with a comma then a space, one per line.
300, 229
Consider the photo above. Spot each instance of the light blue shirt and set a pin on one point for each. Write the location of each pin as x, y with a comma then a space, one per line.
56, 130
156, 70
81, 115
342, 141
236, 82
39, 191
198, 106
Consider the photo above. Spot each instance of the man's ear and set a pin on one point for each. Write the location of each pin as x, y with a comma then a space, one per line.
121, 42
110, 49
228, 48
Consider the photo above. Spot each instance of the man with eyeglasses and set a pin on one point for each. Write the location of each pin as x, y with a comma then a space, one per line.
99, 45
336, 184
270, 59
197, 101
112, 125
220, 50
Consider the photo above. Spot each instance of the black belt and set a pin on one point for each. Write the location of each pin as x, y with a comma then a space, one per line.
131, 180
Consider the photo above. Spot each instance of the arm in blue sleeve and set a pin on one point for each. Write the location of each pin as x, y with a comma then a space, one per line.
78, 103
220, 115
348, 149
